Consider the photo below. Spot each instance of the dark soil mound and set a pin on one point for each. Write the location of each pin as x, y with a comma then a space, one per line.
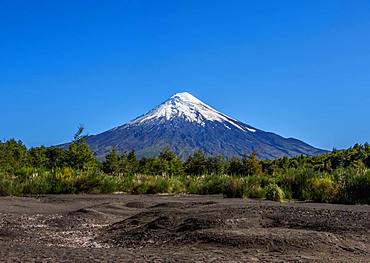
262, 227
136, 205
150, 228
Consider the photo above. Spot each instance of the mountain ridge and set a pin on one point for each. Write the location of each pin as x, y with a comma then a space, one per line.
185, 124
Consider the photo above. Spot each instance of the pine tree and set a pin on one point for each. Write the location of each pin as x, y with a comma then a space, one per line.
170, 163
234, 166
251, 165
196, 163
79, 155
111, 164
216, 165
132, 162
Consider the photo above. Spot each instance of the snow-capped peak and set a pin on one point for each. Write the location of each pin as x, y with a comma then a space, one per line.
188, 107
186, 97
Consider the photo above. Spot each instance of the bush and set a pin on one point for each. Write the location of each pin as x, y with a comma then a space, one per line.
7, 185
213, 184
255, 192
321, 190
63, 181
356, 189
295, 182
39, 184
342, 176
274, 193
254, 187
94, 182
234, 188
206, 184
108, 185
140, 185
176, 185
125, 183
150, 185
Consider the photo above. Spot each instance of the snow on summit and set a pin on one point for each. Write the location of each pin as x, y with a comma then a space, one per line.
186, 106
185, 124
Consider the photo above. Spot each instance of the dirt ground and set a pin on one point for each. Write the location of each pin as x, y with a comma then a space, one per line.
153, 228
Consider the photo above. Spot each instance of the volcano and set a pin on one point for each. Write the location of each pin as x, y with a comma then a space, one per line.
185, 124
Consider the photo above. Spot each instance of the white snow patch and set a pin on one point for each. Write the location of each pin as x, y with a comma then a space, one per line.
190, 108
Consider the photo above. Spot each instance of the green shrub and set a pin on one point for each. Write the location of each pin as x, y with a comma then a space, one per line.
37, 184
150, 185
157, 185
322, 189
125, 183
254, 188
295, 181
356, 189
206, 184
274, 193
234, 188
94, 182
255, 191
108, 185
176, 185
62, 181
193, 184
7, 185
213, 184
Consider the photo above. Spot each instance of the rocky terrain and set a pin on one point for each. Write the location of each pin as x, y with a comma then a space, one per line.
153, 228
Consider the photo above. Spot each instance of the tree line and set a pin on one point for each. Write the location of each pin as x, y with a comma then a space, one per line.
339, 176
14, 155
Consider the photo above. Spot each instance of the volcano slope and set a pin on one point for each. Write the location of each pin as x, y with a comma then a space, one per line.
185, 124
152, 228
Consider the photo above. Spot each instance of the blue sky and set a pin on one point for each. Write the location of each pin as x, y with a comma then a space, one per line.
297, 68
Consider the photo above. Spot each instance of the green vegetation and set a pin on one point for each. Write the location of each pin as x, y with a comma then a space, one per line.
337, 177
274, 193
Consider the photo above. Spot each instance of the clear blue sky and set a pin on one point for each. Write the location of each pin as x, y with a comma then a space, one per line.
297, 68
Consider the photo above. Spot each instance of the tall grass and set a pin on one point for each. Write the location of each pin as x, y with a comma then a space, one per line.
341, 186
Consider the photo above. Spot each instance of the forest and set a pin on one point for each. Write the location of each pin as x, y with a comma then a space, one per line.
341, 176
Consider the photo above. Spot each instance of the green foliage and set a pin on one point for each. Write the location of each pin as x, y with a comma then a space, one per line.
255, 186
7, 185
13, 155
322, 189
156, 185
255, 191
196, 164
356, 187
274, 193
111, 165
176, 185
207, 184
79, 156
295, 181
94, 182
340, 176
172, 165
251, 166
235, 188
150, 185
216, 165
234, 166
39, 184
